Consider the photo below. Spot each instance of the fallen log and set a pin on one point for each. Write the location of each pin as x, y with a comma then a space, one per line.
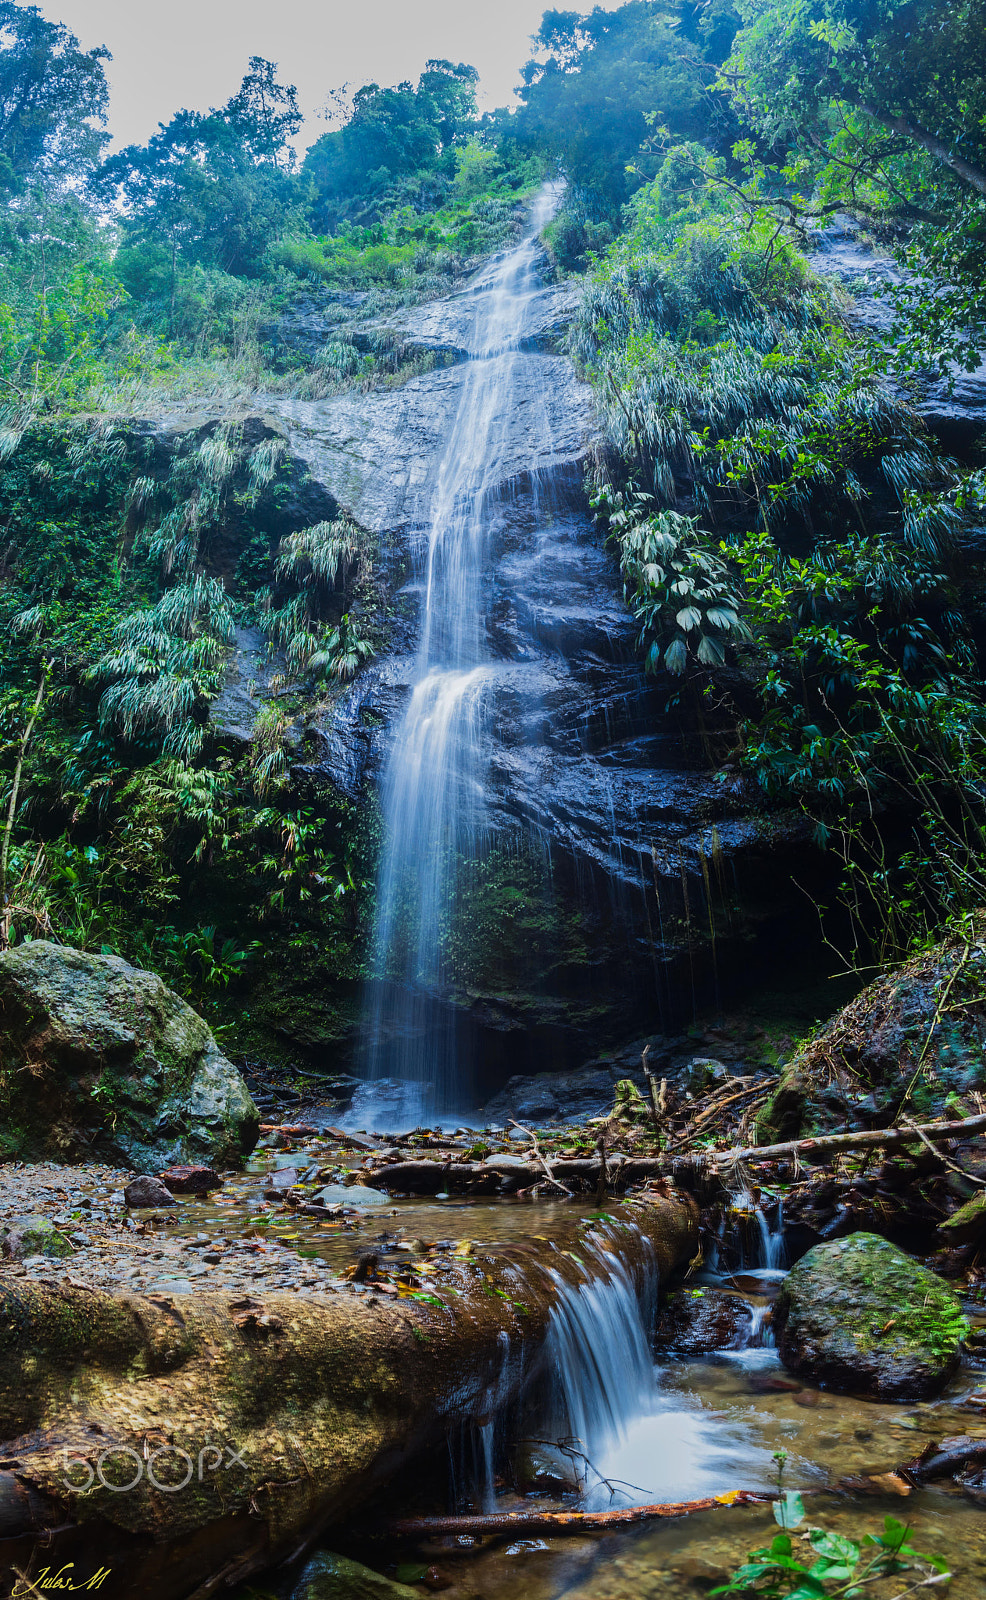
946, 1459
568, 1521
506, 1174
188, 1441
826, 1144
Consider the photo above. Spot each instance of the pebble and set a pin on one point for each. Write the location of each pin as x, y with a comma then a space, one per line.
126, 1255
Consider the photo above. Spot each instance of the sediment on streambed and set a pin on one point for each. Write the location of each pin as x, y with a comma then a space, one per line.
191, 1440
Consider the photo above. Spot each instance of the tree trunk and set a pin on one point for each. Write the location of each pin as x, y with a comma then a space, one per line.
282, 1413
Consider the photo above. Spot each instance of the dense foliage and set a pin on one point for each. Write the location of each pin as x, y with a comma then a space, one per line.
795, 546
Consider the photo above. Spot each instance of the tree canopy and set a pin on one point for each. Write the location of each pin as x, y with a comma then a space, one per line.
393, 133
598, 81
53, 98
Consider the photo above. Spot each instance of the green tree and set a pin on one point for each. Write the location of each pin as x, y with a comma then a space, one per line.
214, 189
881, 104
53, 98
393, 134
597, 81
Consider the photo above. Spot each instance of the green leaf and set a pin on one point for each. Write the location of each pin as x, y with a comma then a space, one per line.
676, 657
689, 617
710, 652
789, 1510
835, 1547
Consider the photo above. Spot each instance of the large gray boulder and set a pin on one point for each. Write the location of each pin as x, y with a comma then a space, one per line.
99, 1059
860, 1316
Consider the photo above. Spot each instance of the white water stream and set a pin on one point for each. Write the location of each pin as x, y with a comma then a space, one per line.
609, 1401
434, 784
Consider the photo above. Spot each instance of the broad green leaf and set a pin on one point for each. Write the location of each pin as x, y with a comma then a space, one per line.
789, 1510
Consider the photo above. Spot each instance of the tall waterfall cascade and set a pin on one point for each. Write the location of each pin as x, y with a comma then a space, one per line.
434, 789
539, 815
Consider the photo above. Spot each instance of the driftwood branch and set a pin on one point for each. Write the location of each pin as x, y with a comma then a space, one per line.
503, 1175
567, 1521
872, 1139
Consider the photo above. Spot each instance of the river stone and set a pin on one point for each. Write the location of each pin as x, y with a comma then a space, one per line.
329, 1577
693, 1321
860, 1316
148, 1191
190, 1180
968, 1224
34, 1236
98, 1059
353, 1194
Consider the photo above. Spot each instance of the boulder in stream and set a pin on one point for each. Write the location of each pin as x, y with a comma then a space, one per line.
331, 1577
694, 1321
100, 1059
860, 1316
34, 1236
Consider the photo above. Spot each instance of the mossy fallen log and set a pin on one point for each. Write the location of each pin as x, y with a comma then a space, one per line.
185, 1443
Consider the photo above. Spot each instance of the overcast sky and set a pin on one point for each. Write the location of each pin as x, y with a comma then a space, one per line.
193, 53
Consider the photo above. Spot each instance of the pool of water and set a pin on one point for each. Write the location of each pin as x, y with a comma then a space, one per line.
649, 1431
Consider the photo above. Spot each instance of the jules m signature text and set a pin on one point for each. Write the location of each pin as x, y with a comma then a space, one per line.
64, 1578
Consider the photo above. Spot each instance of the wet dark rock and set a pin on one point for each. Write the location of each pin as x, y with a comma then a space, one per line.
131, 1073
860, 1316
447, 327
330, 1577
542, 1468
190, 1180
554, 1097
31, 1236
702, 1074
694, 1321
953, 403
284, 1177
148, 1191
379, 454
250, 667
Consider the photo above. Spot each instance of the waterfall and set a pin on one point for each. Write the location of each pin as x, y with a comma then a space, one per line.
599, 1355
645, 1442
433, 790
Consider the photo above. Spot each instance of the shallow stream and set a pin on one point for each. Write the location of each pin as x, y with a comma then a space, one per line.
674, 1428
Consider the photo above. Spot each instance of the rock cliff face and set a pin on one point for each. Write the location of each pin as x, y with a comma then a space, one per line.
952, 404
608, 844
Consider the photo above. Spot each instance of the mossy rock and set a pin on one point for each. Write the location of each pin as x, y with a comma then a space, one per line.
860, 1316
34, 1236
968, 1224
100, 1059
331, 1577
783, 1117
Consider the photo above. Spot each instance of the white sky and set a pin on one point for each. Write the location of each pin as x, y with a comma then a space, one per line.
193, 53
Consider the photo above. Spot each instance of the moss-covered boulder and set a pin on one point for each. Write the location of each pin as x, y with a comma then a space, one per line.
331, 1577
783, 1116
860, 1316
101, 1060
24, 1237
